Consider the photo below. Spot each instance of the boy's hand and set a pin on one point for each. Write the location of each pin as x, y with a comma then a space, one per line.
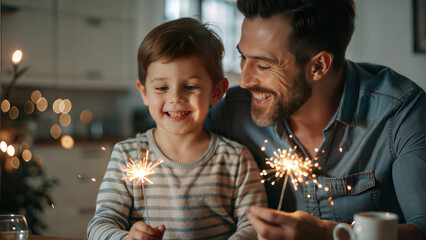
142, 231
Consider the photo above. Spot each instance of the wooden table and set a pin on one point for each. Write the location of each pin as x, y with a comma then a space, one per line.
41, 237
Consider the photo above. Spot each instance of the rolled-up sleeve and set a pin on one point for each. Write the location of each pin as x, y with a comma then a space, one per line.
409, 168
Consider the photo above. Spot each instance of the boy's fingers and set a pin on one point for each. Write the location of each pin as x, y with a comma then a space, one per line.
139, 235
143, 227
161, 229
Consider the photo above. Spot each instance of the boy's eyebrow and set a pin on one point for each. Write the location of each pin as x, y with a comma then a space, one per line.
166, 78
194, 77
269, 60
157, 79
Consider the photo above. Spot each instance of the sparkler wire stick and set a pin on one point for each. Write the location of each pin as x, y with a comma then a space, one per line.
140, 172
145, 201
283, 191
292, 165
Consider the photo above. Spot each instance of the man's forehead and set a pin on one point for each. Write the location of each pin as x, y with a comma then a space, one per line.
264, 38
259, 54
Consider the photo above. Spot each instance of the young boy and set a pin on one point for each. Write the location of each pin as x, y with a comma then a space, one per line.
206, 183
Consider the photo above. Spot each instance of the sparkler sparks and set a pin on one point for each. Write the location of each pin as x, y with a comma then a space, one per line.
291, 165
140, 172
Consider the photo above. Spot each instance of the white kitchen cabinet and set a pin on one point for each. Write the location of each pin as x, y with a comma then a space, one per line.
71, 43
79, 172
29, 29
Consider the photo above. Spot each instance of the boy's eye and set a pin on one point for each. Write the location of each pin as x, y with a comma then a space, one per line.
161, 88
190, 87
242, 56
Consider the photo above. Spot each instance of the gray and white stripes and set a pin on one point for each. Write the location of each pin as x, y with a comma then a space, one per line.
205, 199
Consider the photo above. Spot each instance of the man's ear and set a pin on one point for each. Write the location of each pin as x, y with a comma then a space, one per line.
219, 90
142, 90
321, 64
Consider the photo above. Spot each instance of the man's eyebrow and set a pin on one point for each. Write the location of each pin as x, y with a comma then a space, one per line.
269, 60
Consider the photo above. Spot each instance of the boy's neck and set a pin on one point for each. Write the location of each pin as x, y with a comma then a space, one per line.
184, 148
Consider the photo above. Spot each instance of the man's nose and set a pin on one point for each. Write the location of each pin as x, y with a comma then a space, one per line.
248, 77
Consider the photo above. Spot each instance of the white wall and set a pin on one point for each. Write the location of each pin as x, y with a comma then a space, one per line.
384, 35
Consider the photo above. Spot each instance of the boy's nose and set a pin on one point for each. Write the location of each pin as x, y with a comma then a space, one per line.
176, 97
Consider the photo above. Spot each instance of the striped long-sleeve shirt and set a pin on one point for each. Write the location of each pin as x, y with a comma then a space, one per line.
205, 199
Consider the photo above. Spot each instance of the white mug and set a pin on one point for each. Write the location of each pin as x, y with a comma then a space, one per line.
370, 226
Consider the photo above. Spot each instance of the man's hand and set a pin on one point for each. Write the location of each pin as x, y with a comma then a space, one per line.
274, 224
142, 231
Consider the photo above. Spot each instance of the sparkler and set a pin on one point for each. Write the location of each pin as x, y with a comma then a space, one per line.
140, 172
291, 165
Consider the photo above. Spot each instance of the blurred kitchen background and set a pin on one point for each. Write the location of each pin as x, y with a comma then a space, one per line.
72, 94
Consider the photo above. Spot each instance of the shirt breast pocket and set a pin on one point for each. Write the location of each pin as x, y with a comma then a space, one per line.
352, 194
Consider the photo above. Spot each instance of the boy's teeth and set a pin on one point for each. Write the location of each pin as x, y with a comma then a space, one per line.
177, 114
261, 96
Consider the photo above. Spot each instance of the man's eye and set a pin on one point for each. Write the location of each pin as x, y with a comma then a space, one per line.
242, 57
263, 67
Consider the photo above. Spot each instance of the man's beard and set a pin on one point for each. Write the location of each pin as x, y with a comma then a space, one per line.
284, 106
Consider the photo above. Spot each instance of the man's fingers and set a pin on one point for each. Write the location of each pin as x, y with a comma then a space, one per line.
266, 230
271, 216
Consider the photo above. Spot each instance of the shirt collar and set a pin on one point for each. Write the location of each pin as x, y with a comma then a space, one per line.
346, 112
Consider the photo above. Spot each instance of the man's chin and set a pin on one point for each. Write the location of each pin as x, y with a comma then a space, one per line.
261, 119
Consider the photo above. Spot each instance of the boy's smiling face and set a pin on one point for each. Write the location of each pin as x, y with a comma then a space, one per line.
178, 94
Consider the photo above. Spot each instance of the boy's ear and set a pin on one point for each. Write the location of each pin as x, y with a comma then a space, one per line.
321, 64
219, 90
142, 90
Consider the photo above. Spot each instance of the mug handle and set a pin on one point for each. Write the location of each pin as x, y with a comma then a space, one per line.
345, 227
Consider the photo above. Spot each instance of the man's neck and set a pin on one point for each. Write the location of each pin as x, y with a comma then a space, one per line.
308, 122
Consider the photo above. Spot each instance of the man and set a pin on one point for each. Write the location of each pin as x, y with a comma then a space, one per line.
363, 124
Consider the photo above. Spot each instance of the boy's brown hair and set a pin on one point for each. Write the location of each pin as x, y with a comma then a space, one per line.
181, 38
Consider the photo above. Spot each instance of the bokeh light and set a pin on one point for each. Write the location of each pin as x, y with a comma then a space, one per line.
27, 155
56, 105
3, 146
14, 113
14, 162
28, 107
5, 105
67, 106
67, 142
42, 104
86, 116
24, 146
17, 56
10, 150
55, 131
65, 119
35, 96
38, 159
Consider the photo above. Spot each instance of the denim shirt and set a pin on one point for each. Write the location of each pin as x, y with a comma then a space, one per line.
372, 156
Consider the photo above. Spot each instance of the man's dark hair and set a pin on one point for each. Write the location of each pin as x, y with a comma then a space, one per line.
318, 25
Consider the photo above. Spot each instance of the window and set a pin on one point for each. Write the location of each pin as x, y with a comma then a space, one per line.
223, 17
